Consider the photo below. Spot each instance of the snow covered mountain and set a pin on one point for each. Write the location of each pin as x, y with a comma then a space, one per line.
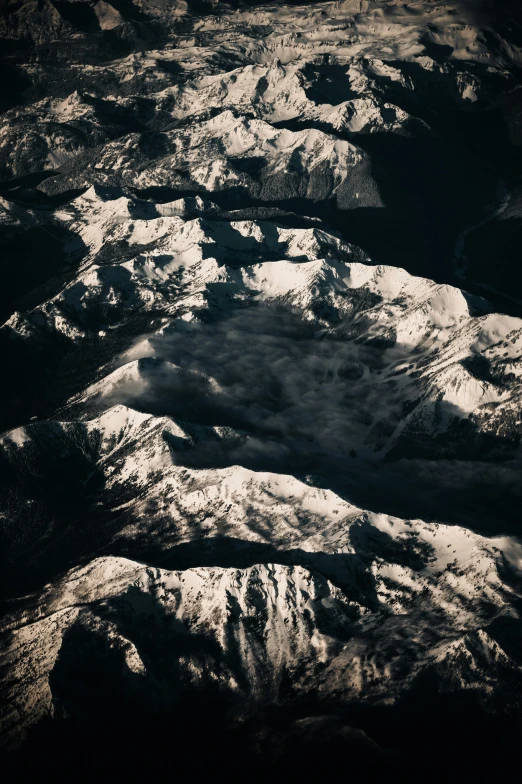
261, 412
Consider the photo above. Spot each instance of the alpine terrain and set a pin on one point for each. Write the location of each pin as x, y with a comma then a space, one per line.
261, 399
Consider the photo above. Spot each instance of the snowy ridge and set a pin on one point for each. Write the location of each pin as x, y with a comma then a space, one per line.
430, 350
296, 623
338, 571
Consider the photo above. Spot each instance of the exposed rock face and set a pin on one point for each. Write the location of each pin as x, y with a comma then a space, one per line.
260, 452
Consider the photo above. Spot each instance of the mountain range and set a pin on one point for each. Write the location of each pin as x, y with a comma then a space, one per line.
261, 411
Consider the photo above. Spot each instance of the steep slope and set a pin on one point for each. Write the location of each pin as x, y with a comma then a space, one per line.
349, 364
294, 589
